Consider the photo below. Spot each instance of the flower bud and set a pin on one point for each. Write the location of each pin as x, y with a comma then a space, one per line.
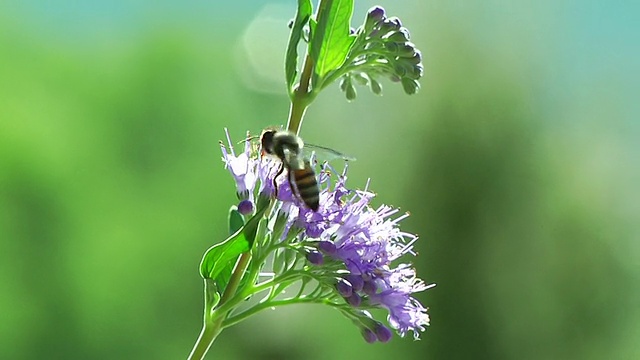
374, 45
345, 82
369, 336
354, 300
399, 69
410, 86
386, 27
315, 257
369, 287
391, 47
360, 78
406, 69
415, 59
395, 21
399, 36
327, 247
374, 33
374, 16
375, 86
383, 333
351, 92
312, 231
356, 281
245, 207
414, 72
406, 50
344, 288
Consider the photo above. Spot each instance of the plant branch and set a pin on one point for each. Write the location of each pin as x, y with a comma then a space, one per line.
265, 305
212, 318
301, 97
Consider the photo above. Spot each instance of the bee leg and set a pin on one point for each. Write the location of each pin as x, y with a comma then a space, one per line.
275, 183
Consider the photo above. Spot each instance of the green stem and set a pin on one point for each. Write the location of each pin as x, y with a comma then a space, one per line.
335, 75
277, 280
302, 95
266, 305
213, 319
301, 98
234, 281
285, 280
205, 340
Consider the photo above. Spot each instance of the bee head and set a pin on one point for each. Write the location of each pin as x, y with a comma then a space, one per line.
266, 141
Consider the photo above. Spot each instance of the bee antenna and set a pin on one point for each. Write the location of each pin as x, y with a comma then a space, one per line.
248, 138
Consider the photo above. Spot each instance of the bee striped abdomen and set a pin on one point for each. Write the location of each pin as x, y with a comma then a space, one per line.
307, 187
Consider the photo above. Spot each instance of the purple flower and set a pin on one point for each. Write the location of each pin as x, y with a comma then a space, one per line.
394, 294
368, 241
347, 230
242, 167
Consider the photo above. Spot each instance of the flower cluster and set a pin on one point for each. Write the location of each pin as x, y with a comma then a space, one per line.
345, 230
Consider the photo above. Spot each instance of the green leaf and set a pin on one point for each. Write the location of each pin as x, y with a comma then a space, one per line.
221, 255
291, 62
236, 220
312, 27
331, 40
220, 259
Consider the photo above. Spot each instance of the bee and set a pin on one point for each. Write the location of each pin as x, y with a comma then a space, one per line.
288, 147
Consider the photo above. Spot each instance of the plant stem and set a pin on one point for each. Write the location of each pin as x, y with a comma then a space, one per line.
266, 305
204, 342
213, 319
301, 97
234, 281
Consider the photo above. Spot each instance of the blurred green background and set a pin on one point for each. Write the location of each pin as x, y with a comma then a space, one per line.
518, 160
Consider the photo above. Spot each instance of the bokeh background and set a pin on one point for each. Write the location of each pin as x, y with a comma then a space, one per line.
518, 160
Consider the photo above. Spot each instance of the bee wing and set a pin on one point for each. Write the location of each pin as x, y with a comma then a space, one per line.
323, 154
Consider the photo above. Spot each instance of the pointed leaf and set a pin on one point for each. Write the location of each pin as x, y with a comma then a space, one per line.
236, 220
291, 63
331, 39
221, 258
220, 255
